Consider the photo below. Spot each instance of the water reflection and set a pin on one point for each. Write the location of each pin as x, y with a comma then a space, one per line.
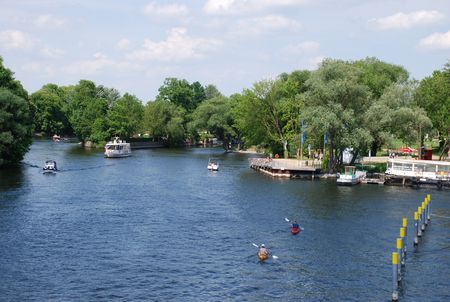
11, 177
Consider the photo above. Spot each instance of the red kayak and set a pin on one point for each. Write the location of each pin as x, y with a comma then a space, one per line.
295, 231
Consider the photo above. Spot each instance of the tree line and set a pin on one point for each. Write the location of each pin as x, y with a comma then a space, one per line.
363, 105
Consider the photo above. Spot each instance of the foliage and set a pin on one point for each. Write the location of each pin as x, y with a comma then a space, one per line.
213, 116
377, 76
125, 116
15, 119
49, 111
181, 93
15, 127
88, 113
165, 119
335, 102
7, 81
211, 92
433, 94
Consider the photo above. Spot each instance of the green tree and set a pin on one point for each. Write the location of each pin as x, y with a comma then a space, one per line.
377, 76
16, 126
111, 95
181, 93
49, 111
433, 94
214, 116
407, 121
211, 92
88, 114
125, 116
335, 102
165, 120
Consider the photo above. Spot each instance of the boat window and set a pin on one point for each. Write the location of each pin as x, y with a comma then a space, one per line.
398, 166
407, 167
430, 168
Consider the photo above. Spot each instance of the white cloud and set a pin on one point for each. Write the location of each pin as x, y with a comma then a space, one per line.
52, 52
15, 39
436, 41
166, 10
39, 68
405, 21
48, 21
178, 46
304, 47
245, 6
315, 62
266, 24
123, 44
87, 67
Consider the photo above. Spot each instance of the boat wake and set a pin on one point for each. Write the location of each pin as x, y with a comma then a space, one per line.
69, 170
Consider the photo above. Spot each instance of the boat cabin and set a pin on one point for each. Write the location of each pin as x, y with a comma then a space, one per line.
50, 165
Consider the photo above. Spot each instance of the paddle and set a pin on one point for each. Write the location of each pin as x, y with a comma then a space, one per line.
273, 256
287, 220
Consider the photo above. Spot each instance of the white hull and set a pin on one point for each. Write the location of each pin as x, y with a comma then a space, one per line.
116, 155
117, 149
348, 182
213, 167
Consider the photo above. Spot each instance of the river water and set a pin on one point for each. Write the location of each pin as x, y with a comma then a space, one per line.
159, 226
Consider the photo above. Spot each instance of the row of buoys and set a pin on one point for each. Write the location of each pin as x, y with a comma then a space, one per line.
421, 219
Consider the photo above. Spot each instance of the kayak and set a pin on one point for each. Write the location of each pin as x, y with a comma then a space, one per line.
263, 256
295, 231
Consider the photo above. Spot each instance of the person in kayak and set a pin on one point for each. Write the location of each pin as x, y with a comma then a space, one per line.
263, 251
295, 225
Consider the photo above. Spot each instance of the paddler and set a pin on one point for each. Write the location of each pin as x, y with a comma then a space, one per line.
295, 225
263, 252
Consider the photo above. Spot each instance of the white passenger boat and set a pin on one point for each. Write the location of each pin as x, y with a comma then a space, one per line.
213, 165
350, 177
117, 148
50, 167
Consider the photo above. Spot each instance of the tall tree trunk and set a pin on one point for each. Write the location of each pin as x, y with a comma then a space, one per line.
374, 148
286, 153
355, 155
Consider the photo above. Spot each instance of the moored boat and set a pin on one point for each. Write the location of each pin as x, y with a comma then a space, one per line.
117, 148
350, 177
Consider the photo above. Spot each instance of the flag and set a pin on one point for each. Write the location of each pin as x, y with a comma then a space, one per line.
303, 135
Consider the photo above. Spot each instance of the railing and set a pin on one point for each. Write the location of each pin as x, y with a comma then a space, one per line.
287, 164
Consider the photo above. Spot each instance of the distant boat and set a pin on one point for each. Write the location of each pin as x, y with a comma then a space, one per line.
117, 148
50, 167
295, 231
263, 255
350, 177
213, 164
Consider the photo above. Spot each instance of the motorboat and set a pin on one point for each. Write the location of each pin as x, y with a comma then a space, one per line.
350, 177
50, 167
117, 148
213, 164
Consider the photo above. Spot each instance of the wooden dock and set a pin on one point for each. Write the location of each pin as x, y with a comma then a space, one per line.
287, 168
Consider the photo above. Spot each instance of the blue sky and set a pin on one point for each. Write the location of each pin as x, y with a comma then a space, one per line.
134, 45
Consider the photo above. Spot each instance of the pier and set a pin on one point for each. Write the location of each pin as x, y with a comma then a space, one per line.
287, 168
